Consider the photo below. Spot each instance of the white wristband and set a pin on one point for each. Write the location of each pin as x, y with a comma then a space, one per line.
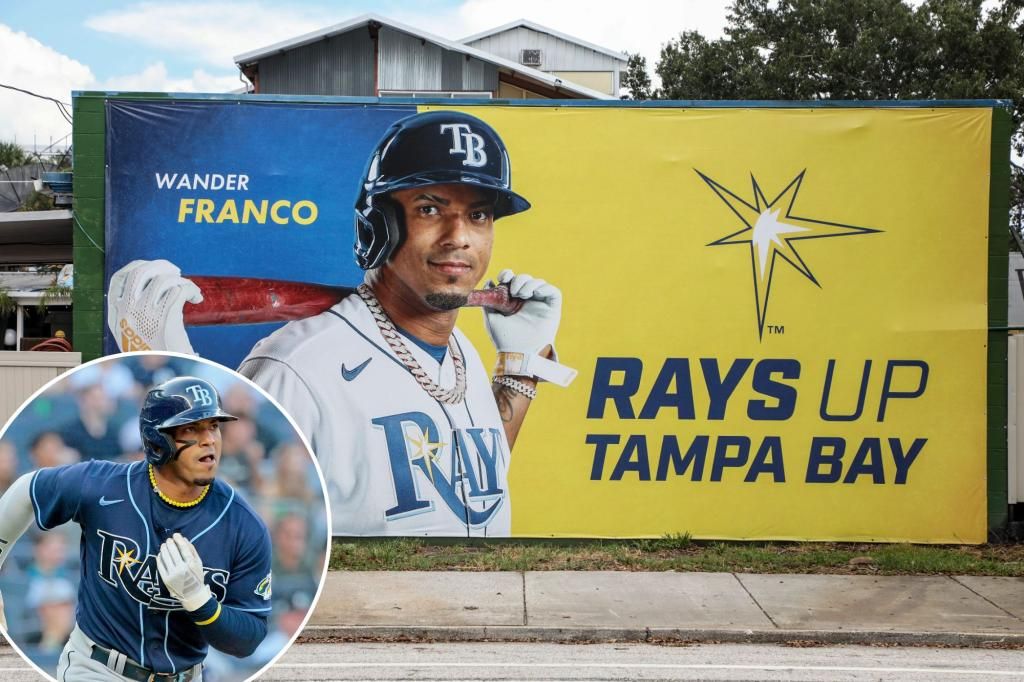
523, 365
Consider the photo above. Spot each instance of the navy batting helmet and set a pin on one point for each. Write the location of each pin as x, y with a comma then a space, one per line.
173, 403
435, 148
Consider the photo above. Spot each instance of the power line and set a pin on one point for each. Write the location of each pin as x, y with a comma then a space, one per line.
29, 92
61, 106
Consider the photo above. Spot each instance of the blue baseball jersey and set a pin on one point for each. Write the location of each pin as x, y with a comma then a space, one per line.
122, 602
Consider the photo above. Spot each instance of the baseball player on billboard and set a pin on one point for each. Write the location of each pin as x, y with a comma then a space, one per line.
413, 436
173, 560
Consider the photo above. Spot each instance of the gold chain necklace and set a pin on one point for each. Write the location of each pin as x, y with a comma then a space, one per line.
174, 503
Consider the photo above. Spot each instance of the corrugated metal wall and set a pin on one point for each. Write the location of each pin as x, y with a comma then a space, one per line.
475, 71
343, 65
1015, 419
558, 54
340, 65
21, 373
1015, 292
451, 70
409, 63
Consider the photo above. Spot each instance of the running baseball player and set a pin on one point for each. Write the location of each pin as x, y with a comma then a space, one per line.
413, 436
173, 560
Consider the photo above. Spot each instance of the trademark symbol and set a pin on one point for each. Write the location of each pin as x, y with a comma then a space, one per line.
776, 329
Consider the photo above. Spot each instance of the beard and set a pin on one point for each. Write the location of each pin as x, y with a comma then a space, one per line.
446, 301
203, 481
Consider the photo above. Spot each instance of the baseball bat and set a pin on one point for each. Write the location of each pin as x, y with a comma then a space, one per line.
252, 300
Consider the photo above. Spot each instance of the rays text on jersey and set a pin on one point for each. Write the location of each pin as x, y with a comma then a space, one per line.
462, 469
123, 566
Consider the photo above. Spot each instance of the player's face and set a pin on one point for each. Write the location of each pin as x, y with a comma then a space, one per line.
197, 463
449, 233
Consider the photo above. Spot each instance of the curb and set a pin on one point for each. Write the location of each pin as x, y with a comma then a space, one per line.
313, 633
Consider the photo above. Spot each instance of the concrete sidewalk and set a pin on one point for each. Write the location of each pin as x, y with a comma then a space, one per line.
624, 606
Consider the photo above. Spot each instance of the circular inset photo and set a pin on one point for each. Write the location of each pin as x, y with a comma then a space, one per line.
160, 518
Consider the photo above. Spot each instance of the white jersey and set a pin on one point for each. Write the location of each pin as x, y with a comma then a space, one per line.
396, 461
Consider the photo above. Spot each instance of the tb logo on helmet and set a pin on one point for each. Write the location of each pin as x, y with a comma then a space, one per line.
200, 396
474, 144
184, 400
421, 150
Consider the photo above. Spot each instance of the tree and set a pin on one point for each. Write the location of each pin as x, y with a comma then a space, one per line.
637, 79
12, 155
860, 49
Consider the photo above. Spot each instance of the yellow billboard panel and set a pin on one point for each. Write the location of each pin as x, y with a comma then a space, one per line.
779, 318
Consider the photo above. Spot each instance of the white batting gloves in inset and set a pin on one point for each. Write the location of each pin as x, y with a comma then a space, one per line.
181, 570
144, 306
520, 338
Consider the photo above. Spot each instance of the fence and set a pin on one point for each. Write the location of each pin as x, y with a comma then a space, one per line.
22, 372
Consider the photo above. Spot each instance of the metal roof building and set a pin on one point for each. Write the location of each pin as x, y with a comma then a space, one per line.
372, 56
551, 51
34, 237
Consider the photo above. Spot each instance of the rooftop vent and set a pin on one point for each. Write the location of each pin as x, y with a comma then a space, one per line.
530, 57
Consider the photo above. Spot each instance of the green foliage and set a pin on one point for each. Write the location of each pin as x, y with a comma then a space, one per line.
378, 556
667, 542
674, 541
637, 79
7, 304
37, 201
53, 293
12, 155
675, 552
859, 49
934, 560
61, 160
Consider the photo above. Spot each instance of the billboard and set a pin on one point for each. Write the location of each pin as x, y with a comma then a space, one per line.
778, 314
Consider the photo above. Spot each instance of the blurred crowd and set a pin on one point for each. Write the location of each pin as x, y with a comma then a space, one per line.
94, 414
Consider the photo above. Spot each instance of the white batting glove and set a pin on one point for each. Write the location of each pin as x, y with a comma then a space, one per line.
520, 338
144, 306
181, 569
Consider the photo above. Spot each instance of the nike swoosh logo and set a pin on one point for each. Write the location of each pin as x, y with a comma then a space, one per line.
104, 502
350, 374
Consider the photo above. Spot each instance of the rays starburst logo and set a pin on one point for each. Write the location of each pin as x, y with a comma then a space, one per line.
771, 228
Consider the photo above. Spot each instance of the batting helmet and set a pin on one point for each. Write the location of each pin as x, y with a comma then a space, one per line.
435, 148
173, 403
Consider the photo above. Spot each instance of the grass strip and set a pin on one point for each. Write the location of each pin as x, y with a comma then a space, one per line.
675, 553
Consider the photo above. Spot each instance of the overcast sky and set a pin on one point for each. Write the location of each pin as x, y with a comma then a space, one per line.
66, 45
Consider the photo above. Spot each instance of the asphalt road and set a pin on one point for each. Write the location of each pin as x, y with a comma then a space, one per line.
515, 661
504, 661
